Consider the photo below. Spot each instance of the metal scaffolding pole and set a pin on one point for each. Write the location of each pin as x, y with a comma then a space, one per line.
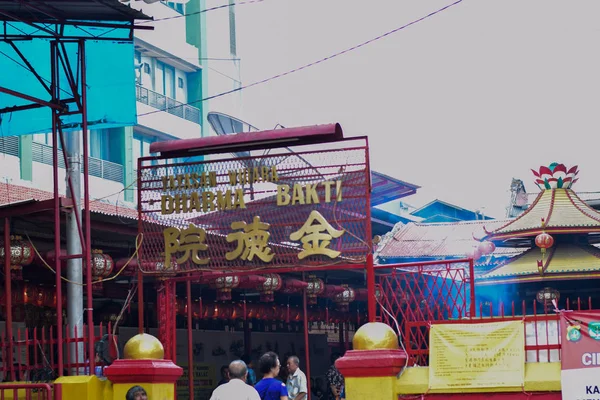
74, 248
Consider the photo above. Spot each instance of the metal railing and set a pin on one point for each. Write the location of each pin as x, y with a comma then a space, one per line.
164, 103
10, 145
100, 168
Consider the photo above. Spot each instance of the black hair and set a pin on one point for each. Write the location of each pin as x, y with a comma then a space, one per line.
267, 362
130, 395
224, 368
335, 356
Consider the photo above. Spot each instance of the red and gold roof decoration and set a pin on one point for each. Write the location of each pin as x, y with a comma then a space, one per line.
557, 209
563, 261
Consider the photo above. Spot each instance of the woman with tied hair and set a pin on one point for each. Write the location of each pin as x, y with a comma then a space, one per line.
269, 387
136, 393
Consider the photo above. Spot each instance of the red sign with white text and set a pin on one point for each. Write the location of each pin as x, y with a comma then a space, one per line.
580, 355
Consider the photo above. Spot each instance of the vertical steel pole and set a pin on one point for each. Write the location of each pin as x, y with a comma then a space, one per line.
140, 252
188, 287
371, 301
86, 253
306, 341
472, 288
55, 85
8, 302
75, 242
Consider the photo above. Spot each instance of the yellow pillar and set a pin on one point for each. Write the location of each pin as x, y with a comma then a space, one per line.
143, 366
370, 370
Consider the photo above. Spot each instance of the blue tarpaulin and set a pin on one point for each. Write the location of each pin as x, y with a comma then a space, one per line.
111, 98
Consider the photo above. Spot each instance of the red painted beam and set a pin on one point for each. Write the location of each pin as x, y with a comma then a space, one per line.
247, 141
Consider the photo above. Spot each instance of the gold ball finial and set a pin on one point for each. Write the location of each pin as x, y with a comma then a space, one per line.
143, 347
375, 336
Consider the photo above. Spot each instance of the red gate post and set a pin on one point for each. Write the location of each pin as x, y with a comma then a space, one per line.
8, 294
371, 301
188, 287
306, 340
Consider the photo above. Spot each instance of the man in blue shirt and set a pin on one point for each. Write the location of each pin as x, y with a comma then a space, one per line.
270, 388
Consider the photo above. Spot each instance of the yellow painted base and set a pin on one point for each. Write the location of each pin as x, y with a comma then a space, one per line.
539, 377
85, 387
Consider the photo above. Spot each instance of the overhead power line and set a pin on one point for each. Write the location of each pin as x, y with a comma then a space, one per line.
239, 3
305, 66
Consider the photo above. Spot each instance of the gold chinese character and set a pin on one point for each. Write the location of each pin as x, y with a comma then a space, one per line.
315, 238
189, 241
252, 240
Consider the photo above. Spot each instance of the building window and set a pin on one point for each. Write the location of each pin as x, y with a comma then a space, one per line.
179, 7
232, 41
165, 79
180, 83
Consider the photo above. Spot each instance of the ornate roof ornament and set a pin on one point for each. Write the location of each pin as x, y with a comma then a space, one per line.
555, 176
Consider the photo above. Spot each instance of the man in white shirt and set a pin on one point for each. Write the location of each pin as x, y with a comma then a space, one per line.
296, 382
236, 388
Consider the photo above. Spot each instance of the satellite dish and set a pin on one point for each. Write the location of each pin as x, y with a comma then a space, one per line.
224, 124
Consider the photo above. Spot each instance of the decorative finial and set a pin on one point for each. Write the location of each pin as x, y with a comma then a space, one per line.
555, 176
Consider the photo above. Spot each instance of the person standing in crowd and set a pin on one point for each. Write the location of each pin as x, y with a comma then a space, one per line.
296, 381
136, 393
270, 388
236, 388
335, 379
251, 380
224, 375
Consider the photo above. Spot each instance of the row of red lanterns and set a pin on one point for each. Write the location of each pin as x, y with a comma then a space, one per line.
29, 294
543, 241
241, 311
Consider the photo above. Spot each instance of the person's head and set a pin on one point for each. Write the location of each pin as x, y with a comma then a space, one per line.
136, 393
269, 364
247, 360
238, 370
334, 357
292, 364
225, 371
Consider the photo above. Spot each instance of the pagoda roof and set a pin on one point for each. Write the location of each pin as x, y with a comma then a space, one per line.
564, 261
560, 210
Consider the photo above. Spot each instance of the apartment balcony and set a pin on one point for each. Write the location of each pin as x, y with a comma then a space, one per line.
174, 118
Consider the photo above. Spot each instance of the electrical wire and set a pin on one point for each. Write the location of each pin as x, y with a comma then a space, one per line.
239, 3
138, 244
305, 66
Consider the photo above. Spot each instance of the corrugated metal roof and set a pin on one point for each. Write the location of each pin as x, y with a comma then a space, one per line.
13, 194
456, 239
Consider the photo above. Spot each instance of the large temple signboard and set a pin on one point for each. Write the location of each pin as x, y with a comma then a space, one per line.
285, 207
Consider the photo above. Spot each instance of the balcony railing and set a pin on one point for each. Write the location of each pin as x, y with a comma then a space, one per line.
164, 103
100, 168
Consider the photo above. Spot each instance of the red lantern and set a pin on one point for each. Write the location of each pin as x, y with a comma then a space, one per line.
544, 241
224, 285
315, 288
486, 247
547, 295
267, 289
102, 266
21, 254
344, 299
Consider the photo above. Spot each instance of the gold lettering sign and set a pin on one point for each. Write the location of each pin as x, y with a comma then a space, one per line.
252, 240
189, 241
316, 235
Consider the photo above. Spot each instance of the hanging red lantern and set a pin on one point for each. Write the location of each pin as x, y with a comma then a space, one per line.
486, 247
102, 266
547, 295
344, 299
21, 254
544, 241
315, 288
268, 288
224, 285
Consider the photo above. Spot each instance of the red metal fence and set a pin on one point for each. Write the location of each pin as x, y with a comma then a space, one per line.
35, 351
30, 391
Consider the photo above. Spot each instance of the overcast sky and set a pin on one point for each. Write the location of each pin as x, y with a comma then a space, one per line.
458, 104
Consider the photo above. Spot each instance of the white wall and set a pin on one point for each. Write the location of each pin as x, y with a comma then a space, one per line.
168, 35
99, 188
168, 123
9, 169
181, 93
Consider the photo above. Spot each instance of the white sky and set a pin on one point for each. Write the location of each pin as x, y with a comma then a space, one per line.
458, 104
